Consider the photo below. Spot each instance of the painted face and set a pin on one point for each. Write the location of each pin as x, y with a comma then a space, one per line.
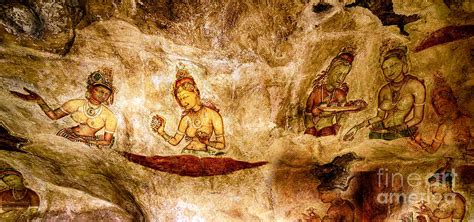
328, 196
13, 181
443, 103
187, 99
337, 73
392, 68
100, 93
438, 188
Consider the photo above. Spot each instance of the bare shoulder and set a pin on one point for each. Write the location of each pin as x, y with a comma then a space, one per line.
384, 90
415, 83
76, 102
460, 197
107, 112
185, 117
212, 113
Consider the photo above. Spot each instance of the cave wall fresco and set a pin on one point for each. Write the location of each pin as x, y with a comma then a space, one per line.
257, 61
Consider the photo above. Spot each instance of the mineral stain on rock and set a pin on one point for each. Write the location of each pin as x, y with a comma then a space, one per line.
9, 142
383, 9
446, 35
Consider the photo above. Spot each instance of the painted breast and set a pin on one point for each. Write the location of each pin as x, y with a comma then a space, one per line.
80, 117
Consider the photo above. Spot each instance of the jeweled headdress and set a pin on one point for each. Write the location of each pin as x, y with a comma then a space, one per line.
183, 78
346, 54
103, 77
440, 84
393, 49
443, 175
9, 171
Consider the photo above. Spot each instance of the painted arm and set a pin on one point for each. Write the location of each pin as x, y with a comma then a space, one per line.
308, 115
437, 214
105, 141
158, 126
34, 97
378, 118
313, 105
437, 141
380, 113
440, 214
218, 126
419, 95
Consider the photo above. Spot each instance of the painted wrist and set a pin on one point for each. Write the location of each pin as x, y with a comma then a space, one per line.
166, 137
363, 124
44, 106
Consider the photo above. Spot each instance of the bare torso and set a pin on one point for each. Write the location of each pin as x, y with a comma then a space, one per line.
200, 124
342, 210
320, 96
89, 125
455, 211
398, 104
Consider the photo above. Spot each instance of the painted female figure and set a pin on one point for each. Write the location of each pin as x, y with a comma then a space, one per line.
454, 128
198, 122
402, 95
90, 113
17, 203
328, 101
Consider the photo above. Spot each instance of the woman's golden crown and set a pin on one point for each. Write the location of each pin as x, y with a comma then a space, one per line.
102, 76
391, 47
182, 72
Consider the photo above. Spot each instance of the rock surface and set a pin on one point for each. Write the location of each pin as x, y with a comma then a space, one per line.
255, 59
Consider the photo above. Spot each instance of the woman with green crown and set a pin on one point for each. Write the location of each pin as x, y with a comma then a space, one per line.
400, 102
91, 113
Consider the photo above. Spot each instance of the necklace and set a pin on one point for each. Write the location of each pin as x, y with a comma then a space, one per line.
22, 196
90, 111
196, 119
395, 93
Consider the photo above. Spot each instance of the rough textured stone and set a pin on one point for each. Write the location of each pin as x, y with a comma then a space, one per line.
255, 59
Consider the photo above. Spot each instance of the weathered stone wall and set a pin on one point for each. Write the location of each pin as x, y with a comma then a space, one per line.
255, 59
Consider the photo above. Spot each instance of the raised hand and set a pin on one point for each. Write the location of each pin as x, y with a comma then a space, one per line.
203, 137
158, 124
423, 209
31, 96
360, 104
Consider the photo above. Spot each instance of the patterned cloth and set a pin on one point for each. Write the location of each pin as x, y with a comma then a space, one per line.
69, 134
393, 135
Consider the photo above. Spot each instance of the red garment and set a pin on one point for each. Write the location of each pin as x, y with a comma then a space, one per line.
321, 95
9, 201
326, 131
